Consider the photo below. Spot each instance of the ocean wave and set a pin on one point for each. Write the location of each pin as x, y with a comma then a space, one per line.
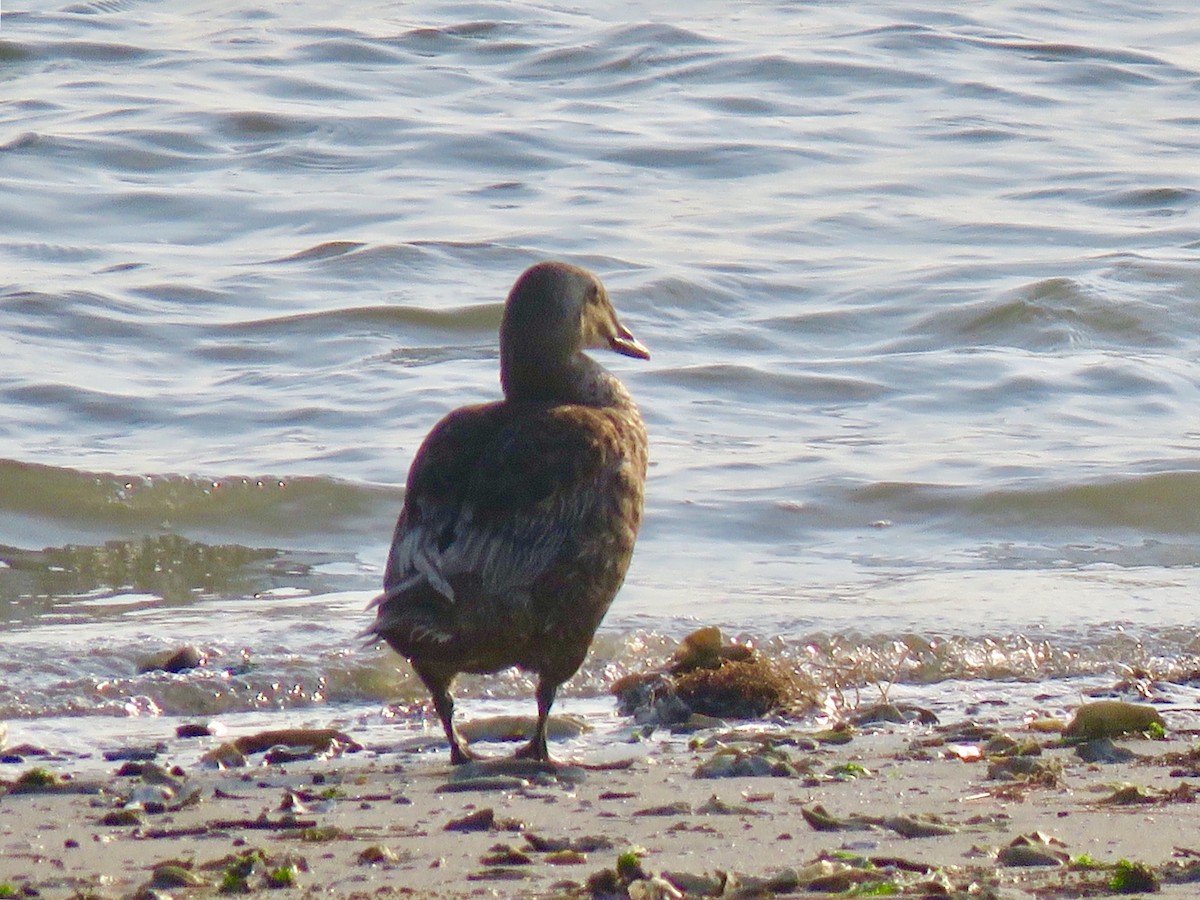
305, 513
1165, 503
1050, 314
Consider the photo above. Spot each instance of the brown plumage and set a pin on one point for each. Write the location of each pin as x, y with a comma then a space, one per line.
520, 516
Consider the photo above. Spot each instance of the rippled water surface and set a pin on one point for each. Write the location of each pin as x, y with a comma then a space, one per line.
921, 288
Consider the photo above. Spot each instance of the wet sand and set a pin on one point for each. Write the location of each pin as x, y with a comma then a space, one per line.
933, 810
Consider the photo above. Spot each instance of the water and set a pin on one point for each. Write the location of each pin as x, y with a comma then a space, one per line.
921, 289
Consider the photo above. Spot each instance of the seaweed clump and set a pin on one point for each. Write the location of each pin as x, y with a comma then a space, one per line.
707, 677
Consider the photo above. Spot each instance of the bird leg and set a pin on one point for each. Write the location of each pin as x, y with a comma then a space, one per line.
443, 702
536, 748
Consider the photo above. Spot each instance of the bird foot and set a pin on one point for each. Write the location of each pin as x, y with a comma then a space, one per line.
535, 751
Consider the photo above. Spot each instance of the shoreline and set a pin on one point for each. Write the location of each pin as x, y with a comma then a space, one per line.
994, 807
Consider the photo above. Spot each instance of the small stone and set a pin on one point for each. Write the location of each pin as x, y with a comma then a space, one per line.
678, 808
698, 885
1025, 855
820, 819
134, 754
174, 876
1112, 718
546, 845
122, 817
194, 730
480, 820
225, 756
377, 855
1034, 849
714, 806
1025, 768
521, 728
325, 741
506, 855
566, 858
654, 888
484, 783
1103, 750
1129, 795
498, 873
910, 827
173, 661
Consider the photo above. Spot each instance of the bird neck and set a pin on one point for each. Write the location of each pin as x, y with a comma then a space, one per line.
577, 379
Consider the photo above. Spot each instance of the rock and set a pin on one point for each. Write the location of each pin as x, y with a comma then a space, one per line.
480, 820
650, 698
1128, 795
895, 713
746, 887
224, 756
698, 885
135, 754
714, 806
1023, 855
654, 888
152, 798
318, 740
542, 844
586, 844
1025, 768
171, 875
704, 649
122, 818
679, 808
506, 855
1112, 718
696, 722
605, 883
1034, 849
527, 769
967, 733
520, 728
735, 762
174, 661
565, 858
838, 882
912, 827
1007, 745
1103, 750
820, 819
482, 783
376, 855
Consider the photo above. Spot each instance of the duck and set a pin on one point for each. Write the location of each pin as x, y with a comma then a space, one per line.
520, 515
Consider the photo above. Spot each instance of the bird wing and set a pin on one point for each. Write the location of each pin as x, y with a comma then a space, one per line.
494, 498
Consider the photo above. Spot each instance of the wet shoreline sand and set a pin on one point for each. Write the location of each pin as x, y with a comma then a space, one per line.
931, 810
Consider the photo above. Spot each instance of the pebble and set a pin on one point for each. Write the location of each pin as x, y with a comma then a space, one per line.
480, 820
1103, 750
483, 783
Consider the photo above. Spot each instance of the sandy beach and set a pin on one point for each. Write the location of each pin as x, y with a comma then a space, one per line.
995, 810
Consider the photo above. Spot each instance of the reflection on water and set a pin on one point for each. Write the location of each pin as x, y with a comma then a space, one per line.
168, 566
